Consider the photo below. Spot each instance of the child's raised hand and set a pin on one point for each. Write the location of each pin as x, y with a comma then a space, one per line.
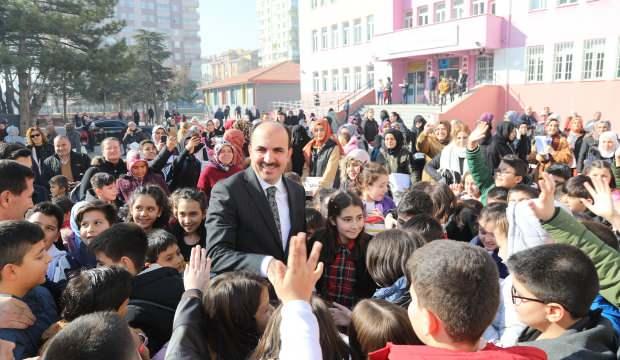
544, 207
198, 271
603, 204
479, 133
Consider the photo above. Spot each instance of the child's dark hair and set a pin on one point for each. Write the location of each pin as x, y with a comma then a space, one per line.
387, 255
371, 173
159, 241
61, 181
603, 232
101, 179
49, 209
444, 202
230, 305
14, 176
575, 187
560, 170
602, 164
99, 289
532, 193
426, 226
496, 214
333, 346
414, 202
161, 199
64, 203
557, 273
338, 202
518, 164
443, 269
120, 240
146, 141
75, 341
190, 194
16, 238
498, 194
314, 219
108, 211
374, 322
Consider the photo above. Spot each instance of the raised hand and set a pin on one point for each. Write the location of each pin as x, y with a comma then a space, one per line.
479, 133
603, 204
296, 280
197, 272
15, 314
544, 207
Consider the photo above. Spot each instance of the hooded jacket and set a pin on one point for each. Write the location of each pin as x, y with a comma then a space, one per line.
500, 145
399, 159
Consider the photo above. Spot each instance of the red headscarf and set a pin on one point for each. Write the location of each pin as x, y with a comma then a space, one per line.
315, 143
236, 139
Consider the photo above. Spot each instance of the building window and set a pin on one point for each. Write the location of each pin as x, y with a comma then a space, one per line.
484, 69
563, 61
324, 76
440, 12
334, 36
315, 40
477, 7
535, 56
324, 38
370, 76
357, 78
357, 31
314, 3
618, 61
409, 19
370, 27
566, 2
423, 15
538, 4
458, 9
346, 80
335, 80
593, 59
345, 34
492, 7
315, 82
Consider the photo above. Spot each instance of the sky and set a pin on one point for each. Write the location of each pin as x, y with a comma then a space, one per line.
228, 24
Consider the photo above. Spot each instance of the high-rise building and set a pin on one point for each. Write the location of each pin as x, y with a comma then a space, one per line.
179, 20
278, 26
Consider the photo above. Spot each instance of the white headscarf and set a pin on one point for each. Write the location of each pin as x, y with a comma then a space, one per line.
608, 135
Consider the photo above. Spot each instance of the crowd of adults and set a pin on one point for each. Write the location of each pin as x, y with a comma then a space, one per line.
290, 235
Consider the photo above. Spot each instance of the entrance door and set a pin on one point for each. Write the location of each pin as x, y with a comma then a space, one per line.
417, 81
449, 67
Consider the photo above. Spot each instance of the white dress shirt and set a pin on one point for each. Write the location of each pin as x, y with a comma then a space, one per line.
284, 213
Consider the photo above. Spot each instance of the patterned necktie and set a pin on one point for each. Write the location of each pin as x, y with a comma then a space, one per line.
271, 198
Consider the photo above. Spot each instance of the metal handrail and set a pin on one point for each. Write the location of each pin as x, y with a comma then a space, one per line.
342, 101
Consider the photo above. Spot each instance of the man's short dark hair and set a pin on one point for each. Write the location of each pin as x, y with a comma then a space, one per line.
60, 181
101, 179
146, 141
48, 208
159, 241
314, 219
575, 187
16, 239
123, 239
561, 170
426, 226
557, 273
388, 252
443, 270
498, 193
518, 164
99, 289
13, 176
19, 153
415, 202
96, 336
64, 203
531, 192
108, 211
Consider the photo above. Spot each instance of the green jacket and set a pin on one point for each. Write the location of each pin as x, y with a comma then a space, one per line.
483, 177
565, 229
616, 173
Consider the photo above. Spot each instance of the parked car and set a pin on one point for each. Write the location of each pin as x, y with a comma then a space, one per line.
101, 129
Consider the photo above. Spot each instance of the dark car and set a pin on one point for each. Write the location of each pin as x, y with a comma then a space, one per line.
101, 129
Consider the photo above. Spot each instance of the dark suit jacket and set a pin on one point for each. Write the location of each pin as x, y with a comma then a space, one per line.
52, 167
241, 229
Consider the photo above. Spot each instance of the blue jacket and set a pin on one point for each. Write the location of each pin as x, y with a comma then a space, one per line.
397, 293
609, 311
501, 267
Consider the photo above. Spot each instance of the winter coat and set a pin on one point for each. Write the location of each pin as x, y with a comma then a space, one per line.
397, 293
211, 174
371, 129
184, 172
41, 152
127, 183
324, 163
299, 139
105, 166
483, 177
189, 337
500, 145
52, 166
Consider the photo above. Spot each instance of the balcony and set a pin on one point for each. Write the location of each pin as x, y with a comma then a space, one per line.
484, 31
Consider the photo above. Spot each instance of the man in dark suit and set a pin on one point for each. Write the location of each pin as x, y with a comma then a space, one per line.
253, 214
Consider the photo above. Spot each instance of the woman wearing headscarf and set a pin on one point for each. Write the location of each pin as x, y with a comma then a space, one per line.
322, 154
395, 156
244, 126
451, 164
299, 139
219, 167
605, 150
418, 126
237, 139
558, 150
501, 144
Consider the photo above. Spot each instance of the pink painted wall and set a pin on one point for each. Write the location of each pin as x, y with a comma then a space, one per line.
486, 99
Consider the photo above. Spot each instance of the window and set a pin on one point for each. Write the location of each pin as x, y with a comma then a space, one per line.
565, 2
315, 40
370, 76
315, 82
370, 27
458, 9
345, 79
477, 7
345, 34
423, 15
324, 38
314, 3
334, 43
324, 76
357, 78
335, 80
534, 63
538, 4
563, 61
409, 19
484, 69
492, 7
593, 59
618, 61
440, 12
357, 31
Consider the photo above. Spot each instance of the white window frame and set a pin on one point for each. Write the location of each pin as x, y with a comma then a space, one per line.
440, 12
593, 61
324, 80
357, 31
335, 80
566, 2
346, 34
315, 41
457, 11
357, 78
370, 27
370, 75
537, 4
563, 61
422, 18
484, 69
346, 79
535, 63
408, 22
324, 39
478, 7
334, 36
618, 60
315, 82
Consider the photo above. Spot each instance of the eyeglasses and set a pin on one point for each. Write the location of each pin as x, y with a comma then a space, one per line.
504, 171
35, 135
518, 300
